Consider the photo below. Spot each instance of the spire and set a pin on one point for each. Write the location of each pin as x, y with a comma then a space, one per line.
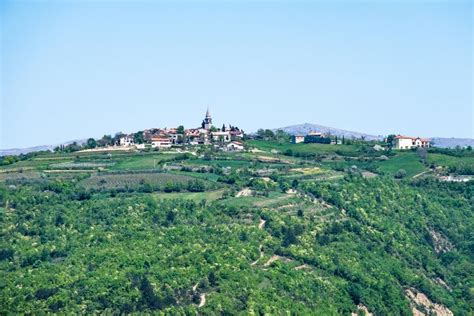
207, 120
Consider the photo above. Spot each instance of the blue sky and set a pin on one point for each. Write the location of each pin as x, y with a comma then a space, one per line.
78, 69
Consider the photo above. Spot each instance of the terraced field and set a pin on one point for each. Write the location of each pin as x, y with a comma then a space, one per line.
130, 180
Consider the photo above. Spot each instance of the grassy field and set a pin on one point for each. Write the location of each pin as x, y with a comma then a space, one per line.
408, 161
274, 197
200, 175
450, 161
114, 181
140, 162
194, 196
219, 162
35, 164
346, 150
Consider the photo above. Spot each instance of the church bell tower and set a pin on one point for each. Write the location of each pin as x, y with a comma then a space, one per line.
207, 122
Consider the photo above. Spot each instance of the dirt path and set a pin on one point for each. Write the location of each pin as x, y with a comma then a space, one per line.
275, 258
203, 300
301, 267
260, 248
420, 174
261, 224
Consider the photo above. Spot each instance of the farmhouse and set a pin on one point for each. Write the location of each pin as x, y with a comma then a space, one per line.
295, 139
315, 137
408, 142
127, 140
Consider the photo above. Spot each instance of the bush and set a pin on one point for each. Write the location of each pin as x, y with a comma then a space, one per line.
400, 174
6, 254
44, 293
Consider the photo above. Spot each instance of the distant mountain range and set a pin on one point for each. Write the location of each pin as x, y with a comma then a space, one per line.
19, 151
452, 142
304, 129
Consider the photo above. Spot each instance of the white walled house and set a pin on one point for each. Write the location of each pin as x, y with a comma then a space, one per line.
297, 139
234, 146
160, 142
127, 141
221, 136
407, 142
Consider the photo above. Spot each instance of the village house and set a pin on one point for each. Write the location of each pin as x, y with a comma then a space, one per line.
126, 140
296, 139
235, 146
316, 137
407, 142
223, 137
160, 142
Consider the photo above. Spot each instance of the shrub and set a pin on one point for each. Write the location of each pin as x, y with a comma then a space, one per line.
400, 174
44, 293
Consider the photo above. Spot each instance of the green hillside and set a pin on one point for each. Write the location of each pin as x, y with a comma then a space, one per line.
257, 232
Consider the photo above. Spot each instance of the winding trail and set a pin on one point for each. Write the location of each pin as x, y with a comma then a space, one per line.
261, 255
261, 225
275, 258
303, 266
420, 174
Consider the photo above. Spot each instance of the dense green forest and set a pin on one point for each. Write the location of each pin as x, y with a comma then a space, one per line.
302, 229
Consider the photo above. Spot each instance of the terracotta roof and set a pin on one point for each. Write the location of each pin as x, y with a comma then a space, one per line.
412, 138
159, 139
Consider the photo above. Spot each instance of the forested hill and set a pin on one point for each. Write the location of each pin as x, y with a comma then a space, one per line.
277, 229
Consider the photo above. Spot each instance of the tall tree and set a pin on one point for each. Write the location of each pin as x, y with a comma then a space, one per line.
91, 143
390, 139
138, 138
269, 134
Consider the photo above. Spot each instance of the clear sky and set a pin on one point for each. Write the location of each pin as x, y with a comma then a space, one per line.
79, 69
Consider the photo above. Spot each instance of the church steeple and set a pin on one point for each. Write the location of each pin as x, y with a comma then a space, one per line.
207, 122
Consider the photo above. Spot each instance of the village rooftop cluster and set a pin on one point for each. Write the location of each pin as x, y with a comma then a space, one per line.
227, 137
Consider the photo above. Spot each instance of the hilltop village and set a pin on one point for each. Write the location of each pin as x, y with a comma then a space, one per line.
226, 137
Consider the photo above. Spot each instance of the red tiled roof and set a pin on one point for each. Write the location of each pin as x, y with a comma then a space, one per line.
412, 138
159, 139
